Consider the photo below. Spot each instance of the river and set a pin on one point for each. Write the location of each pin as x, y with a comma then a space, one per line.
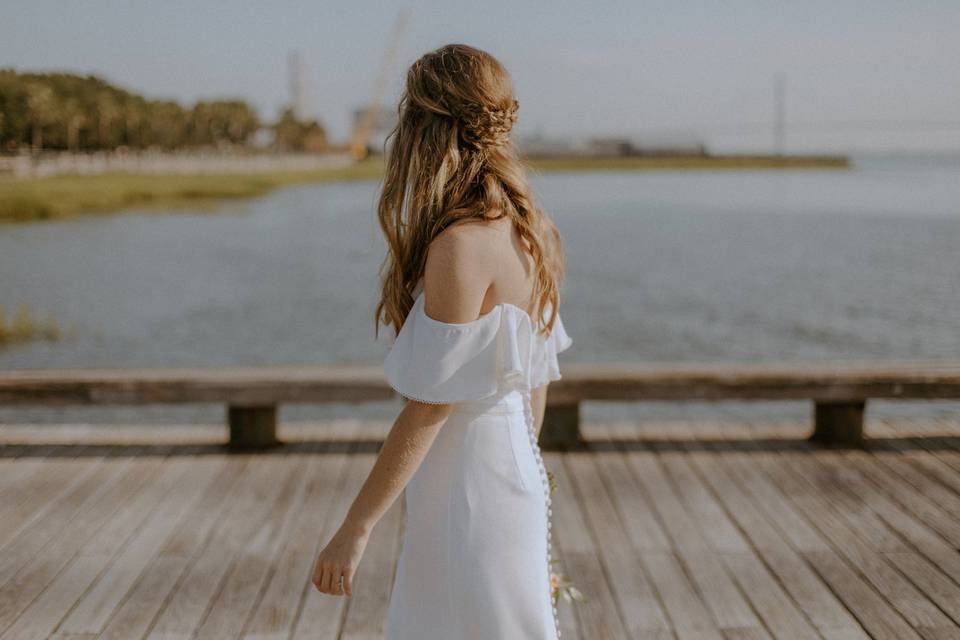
736, 266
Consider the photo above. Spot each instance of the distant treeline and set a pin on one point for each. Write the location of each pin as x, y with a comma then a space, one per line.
64, 111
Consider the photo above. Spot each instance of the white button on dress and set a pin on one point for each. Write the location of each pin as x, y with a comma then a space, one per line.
476, 552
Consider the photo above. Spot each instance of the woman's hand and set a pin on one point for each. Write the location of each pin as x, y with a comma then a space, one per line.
400, 456
339, 558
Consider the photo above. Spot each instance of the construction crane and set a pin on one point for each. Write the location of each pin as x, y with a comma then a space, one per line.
359, 142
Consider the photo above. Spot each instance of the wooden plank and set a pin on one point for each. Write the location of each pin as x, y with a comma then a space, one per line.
40, 623
699, 505
811, 594
688, 613
776, 492
59, 514
276, 613
807, 493
644, 535
82, 440
275, 384
34, 503
193, 476
136, 614
716, 588
930, 503
22, 478
250, 568
263, 384
942, 466
714, 381
644, 531
321, 615
186, 609
41, 570
840, 539
89, 562
873, 612
925, 540
597, 616
772, 603
934, 584
564, 510
638, 604
922, 537
830, 489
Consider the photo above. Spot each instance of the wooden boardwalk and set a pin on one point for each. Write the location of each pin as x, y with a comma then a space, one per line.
672, 530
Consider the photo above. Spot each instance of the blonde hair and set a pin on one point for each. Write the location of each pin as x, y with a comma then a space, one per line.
450, 158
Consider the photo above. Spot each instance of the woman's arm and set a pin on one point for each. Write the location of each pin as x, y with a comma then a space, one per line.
453, 292
538, 400
402, 452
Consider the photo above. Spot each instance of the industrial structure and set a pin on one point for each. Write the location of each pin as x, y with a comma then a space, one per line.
299, 101
368, 118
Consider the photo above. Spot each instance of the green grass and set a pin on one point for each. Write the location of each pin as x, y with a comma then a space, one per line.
674, 163
58, 197
23, 327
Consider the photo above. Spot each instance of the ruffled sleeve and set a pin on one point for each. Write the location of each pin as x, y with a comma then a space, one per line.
439, 362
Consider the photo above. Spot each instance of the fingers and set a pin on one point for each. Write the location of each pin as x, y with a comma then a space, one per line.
327, 580
318, 576
335, 583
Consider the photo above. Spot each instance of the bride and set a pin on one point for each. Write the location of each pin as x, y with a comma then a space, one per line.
471, 279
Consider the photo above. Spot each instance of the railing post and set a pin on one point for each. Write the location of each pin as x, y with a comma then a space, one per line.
252, 427
561, 426
838, 422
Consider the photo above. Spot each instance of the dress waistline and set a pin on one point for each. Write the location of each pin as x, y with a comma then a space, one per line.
509, 402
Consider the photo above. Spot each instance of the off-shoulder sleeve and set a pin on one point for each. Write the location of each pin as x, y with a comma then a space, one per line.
440, 362
547, 367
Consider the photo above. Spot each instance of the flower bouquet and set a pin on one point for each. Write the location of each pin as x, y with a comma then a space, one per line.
559, 583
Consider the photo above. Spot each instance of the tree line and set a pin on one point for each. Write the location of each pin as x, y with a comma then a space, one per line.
63, 111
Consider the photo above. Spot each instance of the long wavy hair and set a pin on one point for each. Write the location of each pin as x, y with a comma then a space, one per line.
450, 158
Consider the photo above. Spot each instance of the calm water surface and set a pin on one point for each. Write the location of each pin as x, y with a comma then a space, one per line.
675, 266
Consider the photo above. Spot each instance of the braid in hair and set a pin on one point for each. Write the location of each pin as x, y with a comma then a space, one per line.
482, 126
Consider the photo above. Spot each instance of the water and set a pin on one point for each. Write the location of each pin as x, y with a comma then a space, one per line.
755, 266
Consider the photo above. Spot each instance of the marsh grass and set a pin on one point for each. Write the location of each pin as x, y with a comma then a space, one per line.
22, 326
58, 197
687, 163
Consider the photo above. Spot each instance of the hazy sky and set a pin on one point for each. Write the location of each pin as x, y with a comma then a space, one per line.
872, 74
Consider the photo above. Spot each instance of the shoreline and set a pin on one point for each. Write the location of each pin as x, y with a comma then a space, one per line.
687, 163
68, 196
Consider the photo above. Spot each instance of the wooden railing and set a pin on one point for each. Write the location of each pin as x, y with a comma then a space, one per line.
838, 391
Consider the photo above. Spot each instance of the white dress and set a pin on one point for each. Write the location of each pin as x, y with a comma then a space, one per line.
476, 553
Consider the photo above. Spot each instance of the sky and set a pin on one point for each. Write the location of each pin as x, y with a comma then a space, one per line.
870, 75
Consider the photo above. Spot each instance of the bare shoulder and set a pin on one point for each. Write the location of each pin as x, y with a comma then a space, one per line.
458, 272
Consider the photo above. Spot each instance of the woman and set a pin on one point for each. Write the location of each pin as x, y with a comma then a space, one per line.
472, 260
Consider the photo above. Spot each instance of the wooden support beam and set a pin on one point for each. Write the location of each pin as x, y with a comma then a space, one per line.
838, 423
252, 427
561, 426
618, 382
838, 390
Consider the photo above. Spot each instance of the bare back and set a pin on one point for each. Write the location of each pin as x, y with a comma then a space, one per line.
474, 266
510, 267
